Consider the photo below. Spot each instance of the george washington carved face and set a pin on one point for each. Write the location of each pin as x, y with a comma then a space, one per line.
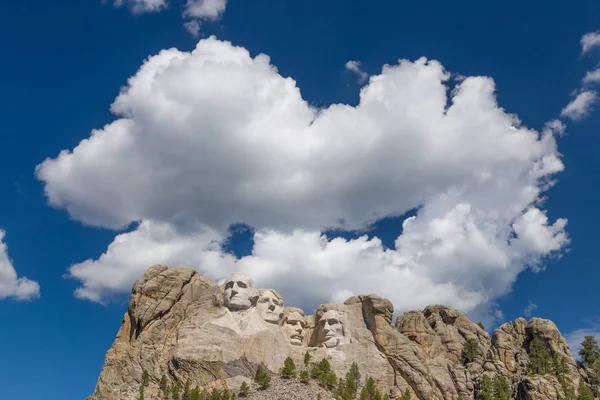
239, 293
270, 306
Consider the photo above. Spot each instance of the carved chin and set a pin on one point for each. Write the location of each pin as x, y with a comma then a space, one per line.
331, 342
236, 304
296, 341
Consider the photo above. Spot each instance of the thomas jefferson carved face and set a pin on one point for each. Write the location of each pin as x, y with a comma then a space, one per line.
239, 293
331, 329
293, 325
270, 306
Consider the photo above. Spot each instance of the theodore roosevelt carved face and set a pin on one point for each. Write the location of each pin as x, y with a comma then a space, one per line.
294, 324
270, 306
240, 293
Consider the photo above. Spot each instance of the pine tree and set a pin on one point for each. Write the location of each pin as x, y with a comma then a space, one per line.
163, 385
244, 389
470, 351
480, 324
176, 392
460, 396
304, 377
141, 396
289, 369
186, 391
364, 393
215, 394
584, 392
195, 394
306, 358
352, 382
502, 389
377, 395
486, 389
262, 378
340, 392
590, 351
406, 395
540, 362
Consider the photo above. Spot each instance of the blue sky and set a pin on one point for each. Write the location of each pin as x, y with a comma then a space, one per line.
222, 138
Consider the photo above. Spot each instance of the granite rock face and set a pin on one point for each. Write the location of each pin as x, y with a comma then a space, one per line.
185, 327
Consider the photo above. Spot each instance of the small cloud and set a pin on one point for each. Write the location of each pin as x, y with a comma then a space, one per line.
580, 106
11, 285
530, 308
555, 127
193, 27
142, 6
354, 66
589, 41
205, 9
592, 76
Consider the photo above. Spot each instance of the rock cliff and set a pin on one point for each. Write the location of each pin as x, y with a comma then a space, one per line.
183, 327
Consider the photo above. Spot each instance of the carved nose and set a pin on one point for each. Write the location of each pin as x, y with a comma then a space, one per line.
233, 293
272, 307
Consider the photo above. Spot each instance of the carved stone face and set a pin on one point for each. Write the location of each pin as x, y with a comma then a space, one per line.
293, 327
331, 329
239, 292
270, 306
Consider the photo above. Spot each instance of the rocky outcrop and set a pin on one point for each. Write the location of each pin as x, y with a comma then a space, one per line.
185, 327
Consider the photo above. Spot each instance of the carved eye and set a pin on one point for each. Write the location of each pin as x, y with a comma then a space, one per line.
263, 300
241, 284
332, 321
228, 285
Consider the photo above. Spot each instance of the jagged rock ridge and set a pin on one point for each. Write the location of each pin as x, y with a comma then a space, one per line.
184, 326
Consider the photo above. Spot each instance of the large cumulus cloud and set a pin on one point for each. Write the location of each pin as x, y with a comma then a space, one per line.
213, 137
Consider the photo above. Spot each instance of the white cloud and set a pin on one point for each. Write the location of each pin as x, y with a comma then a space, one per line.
142, 6
205, 9
354, 66
193, 27
580, 106
10, 284
215, 137
589, 41
576, 337
592, 76
531, 307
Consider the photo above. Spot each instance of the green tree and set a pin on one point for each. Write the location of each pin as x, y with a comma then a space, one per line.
364, 393
480, 324
351, 382
304, 377
470, 351
502, 389
144, 383
306, 358
186, 391
244, 389
406, 395
590, 351
215, 394
164, 387
584, 392
486, 389
262, 378
460, 396
289, 369
176, 391
195, 394
540, 361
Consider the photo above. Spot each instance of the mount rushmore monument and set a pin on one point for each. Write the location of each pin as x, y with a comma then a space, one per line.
184, 326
